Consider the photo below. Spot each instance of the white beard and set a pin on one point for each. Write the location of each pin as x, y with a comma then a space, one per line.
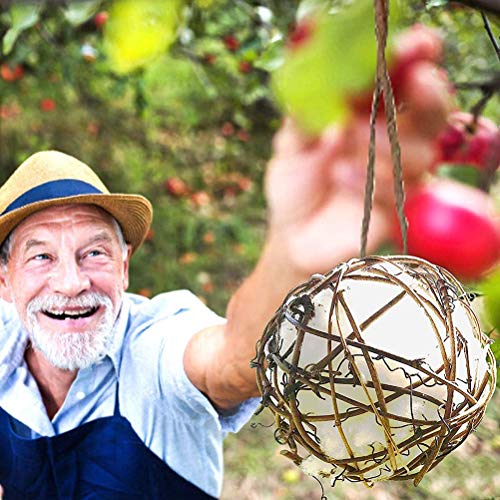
72, 350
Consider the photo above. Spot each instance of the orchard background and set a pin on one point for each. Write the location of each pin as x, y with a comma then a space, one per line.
191, 129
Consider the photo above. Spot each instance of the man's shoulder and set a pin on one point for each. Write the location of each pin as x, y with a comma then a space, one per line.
164, 305
178, 311
156, 333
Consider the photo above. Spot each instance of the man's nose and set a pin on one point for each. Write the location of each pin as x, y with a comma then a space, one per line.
68, 279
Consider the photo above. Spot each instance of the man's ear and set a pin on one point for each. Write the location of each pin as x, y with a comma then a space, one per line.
5, 293
126, 262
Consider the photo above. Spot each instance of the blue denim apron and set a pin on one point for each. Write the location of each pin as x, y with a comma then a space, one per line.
103, 459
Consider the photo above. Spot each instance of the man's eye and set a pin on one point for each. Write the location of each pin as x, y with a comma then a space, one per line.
41, 256
94, 253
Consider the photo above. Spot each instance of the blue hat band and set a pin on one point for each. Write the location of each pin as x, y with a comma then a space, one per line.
51, 190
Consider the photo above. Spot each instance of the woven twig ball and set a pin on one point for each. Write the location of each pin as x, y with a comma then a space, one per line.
375, 371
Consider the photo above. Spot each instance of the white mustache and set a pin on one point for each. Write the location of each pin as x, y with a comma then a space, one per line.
59, 302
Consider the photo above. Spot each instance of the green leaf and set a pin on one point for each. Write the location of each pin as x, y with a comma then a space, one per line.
271, 58
332, 57
138, 32
491, 289
495, 348
22, 17
462, 173
78, 12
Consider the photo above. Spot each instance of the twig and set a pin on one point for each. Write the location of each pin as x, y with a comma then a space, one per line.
488, 88
492, 6
490, 34
492, 85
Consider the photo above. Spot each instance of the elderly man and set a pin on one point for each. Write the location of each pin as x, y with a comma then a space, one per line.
105, 394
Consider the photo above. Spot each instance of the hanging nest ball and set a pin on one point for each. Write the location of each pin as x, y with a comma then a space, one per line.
375, 371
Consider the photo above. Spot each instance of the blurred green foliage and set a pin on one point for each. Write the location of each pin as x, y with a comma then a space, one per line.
203, 113
192, 115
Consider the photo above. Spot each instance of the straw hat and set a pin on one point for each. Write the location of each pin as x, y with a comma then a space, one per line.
51, 178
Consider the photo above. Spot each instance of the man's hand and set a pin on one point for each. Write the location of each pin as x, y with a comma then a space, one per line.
314, 216
315, 187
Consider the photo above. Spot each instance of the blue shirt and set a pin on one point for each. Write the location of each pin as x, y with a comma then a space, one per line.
173, 419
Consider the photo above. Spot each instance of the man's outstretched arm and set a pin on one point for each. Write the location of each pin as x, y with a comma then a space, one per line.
314, 190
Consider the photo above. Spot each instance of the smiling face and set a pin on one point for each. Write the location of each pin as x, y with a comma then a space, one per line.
66, 275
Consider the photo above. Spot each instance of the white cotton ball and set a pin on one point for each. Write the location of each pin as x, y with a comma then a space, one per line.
313, 466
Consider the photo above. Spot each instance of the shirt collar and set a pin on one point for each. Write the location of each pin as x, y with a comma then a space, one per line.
119, 331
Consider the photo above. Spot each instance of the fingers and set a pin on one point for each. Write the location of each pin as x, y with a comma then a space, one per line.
297, 179
290, 140
419, 42
426, 100
334, 235
423, 93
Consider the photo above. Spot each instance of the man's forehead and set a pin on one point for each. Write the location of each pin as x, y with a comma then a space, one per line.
65, 214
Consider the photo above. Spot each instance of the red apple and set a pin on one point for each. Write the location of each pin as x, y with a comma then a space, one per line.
100, 19
209, 59
47, 105
200, 198
244, 183
176, 187
231, 43
301, 33
468, 143
9, 110
243, 135
11, 74
227, 129
209, 238
244, 67
188, 258
93, 128
455, 226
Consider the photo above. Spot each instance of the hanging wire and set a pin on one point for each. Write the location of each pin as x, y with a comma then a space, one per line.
383, 85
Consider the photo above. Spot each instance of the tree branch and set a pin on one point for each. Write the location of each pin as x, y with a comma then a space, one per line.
492, 38
492, 6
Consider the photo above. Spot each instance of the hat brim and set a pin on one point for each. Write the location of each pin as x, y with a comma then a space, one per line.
134, 213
